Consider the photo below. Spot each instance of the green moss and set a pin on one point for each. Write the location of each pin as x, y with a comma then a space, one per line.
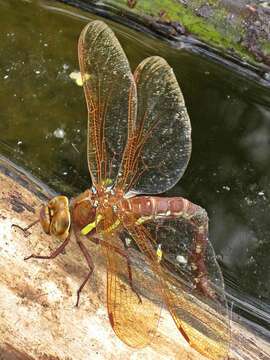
214, 30
265, 46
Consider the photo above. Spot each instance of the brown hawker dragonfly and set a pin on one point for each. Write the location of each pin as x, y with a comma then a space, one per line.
139, 143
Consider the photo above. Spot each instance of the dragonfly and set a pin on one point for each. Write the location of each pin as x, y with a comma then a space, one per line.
156, 248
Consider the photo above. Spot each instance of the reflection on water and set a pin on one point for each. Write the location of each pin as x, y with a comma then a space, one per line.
43, 127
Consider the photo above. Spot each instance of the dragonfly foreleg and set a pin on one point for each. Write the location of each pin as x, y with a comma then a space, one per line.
53, 255
25, 229
90, 264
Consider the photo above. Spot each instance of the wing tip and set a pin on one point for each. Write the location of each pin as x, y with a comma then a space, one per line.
95, 25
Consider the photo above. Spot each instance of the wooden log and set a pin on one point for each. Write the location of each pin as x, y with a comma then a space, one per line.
39, 320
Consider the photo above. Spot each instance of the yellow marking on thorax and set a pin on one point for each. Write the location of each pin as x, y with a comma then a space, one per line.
107, 182
89, 227
113, 226
143, 219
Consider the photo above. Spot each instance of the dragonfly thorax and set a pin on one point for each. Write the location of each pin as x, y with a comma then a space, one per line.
87, 208
84, 208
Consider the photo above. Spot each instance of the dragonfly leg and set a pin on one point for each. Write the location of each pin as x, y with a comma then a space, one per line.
130, 272
199, 219
121, 252
90, 264
130, 278
53, 255
25, 229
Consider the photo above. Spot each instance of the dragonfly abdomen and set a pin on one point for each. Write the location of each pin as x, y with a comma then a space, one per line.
154, 207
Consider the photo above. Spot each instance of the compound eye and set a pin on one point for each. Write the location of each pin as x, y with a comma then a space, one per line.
60, 223
45, 218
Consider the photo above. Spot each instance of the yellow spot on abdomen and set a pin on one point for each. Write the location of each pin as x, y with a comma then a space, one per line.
159, 253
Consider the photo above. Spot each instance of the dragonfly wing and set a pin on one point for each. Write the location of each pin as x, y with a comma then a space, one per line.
203, 321
159, 146
111, 99
133, 307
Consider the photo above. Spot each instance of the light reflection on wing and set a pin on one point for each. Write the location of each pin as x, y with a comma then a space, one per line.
110, 96
159, 146
133, 307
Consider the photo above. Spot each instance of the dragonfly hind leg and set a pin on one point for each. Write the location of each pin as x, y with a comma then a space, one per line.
130, 277
124, 254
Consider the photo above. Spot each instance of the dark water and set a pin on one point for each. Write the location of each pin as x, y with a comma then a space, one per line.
43, 128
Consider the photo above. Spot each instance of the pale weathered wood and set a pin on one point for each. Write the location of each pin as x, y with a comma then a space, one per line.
38, 319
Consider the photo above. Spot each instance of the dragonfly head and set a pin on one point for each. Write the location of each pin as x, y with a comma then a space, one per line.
55, 217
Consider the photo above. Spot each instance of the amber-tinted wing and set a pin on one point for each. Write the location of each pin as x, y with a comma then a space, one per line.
133, 307
203, 321
111, 99
159, 145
